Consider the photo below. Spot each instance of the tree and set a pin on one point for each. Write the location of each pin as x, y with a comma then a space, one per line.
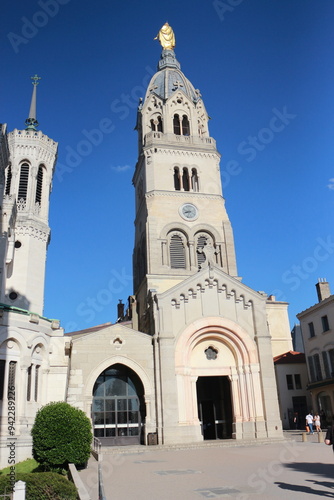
61, 435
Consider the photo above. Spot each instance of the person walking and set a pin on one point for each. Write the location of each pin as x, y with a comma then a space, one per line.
309, 422
317, 422
329, 434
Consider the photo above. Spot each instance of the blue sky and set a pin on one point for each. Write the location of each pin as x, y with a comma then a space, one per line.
265, 71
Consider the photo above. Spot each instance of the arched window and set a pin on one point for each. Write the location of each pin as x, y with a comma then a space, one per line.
177, 125
194, 180
177, 182
156, 124
177, 252
23, 184
185, 180
185, 125
39, 185
8, 180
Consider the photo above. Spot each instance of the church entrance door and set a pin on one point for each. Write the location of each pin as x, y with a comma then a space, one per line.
214, 407
118, 409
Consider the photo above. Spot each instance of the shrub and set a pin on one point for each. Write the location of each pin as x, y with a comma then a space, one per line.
61, 435
43, 486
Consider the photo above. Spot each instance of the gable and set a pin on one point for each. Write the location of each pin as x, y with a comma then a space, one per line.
210, 293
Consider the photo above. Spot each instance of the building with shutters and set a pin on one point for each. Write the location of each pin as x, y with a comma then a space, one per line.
316, 324
192, 357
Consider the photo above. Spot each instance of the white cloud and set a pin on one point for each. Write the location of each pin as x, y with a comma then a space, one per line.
121, 168
331, 185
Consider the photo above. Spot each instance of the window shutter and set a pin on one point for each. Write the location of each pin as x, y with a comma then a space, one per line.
23, 185
38, 197
8, 180
177, 253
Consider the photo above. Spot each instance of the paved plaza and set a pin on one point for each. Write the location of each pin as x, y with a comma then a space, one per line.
291, 469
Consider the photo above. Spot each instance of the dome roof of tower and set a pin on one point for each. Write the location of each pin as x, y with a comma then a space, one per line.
170, 78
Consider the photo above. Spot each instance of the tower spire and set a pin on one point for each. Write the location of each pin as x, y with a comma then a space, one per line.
31, 121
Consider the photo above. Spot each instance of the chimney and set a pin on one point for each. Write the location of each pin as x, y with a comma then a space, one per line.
120, 311
323, 289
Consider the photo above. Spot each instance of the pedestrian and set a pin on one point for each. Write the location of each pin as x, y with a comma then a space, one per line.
317, 422
329, 435
309, 423
295, 420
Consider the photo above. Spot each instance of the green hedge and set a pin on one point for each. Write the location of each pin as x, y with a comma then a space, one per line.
61, 435
43, 486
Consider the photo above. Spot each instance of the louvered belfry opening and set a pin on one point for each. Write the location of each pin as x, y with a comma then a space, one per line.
23, 185
8, 180
177, 253
39, 186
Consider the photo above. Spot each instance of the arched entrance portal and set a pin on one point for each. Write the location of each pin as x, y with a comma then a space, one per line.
214, 407
118, 409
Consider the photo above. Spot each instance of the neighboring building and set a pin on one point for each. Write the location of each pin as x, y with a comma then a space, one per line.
192, 358
293, 396
317, 325
297, 339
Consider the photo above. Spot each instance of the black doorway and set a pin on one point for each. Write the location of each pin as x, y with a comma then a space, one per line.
214, 407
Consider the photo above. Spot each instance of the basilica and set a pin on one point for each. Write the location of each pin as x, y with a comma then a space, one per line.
191, 357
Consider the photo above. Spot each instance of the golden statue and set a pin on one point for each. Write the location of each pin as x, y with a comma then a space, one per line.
166, 37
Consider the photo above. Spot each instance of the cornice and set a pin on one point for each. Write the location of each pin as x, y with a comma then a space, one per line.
180, 152
33, 231
184, 195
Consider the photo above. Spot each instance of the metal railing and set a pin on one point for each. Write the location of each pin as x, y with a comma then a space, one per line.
97, 445
102, 495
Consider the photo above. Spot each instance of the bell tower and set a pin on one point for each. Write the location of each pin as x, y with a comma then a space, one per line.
181, 223
32, 158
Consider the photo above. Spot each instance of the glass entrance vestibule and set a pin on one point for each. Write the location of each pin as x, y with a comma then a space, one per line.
118, 409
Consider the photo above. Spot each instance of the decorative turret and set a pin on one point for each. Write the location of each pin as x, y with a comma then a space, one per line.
28, 186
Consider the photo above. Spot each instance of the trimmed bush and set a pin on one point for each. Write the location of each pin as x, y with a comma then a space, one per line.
43, 486
61, 435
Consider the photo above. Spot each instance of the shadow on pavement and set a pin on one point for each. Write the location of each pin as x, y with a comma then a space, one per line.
305, 489
317, 468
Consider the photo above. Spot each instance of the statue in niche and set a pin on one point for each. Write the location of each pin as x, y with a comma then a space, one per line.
209, 252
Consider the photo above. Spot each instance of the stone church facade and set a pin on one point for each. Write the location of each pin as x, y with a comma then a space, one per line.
192, 358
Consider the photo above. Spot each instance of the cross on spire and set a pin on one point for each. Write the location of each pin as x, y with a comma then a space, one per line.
177, 84
35, 79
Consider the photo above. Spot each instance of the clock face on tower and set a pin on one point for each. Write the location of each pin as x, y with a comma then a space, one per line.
188, 211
